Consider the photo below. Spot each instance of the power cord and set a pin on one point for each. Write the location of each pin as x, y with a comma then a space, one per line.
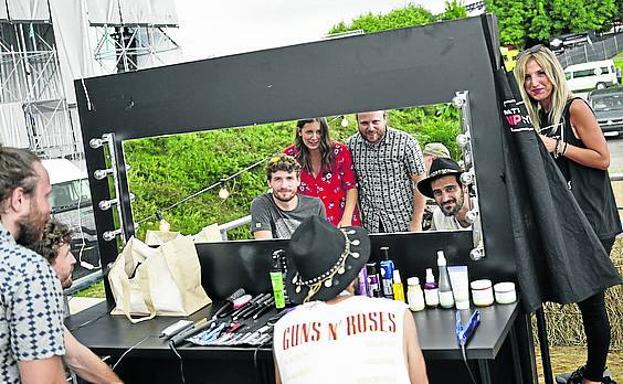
255, 363
124, 354
172, 346
469, 370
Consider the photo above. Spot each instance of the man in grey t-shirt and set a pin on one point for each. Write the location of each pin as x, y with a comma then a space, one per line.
278, 213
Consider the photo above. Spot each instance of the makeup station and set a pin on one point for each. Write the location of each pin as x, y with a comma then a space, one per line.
449, 62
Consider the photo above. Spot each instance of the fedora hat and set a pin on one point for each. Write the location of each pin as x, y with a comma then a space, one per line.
440, 167
323, 260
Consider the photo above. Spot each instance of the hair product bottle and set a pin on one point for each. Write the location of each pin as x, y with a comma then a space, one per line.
276, 279
397, 288
373, 281
387, 273
431, 291
415, 296
446, 299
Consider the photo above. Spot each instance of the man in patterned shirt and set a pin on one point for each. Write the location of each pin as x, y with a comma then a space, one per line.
388, 163
31, 308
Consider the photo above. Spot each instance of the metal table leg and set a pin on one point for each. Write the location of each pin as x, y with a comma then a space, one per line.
516, 357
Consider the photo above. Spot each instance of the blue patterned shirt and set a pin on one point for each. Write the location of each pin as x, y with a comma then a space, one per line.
31, 308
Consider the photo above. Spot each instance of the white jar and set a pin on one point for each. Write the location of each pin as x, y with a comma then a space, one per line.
415, 296
505, 292
482, 292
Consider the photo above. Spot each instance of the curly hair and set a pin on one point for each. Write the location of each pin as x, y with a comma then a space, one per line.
16, 170
282, 162
55, 235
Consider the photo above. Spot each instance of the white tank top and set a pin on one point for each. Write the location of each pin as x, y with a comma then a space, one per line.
358, 340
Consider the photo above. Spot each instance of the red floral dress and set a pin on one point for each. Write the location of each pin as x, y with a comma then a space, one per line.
331, 186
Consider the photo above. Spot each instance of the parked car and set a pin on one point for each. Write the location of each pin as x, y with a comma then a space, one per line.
608, 107
585, 77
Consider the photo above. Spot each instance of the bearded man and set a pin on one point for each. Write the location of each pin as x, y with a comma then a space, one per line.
277, 214
452, 198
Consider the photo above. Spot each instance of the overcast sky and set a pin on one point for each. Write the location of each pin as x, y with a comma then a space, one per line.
221, 27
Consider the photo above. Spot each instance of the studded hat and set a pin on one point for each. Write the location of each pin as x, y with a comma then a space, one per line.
439, 167
323, 260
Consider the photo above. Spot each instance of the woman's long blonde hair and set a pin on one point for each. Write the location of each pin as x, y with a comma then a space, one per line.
554, 72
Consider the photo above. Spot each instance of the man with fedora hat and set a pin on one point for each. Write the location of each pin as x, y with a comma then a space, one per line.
335, 336
452, 198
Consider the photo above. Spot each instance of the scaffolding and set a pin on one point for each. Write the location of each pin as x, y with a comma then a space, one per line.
39, 60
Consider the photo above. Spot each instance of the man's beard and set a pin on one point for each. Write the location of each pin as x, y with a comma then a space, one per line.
458, 204
31, 228
66, 283
285, 200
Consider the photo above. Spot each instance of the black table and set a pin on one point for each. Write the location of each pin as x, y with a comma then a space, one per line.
114, 335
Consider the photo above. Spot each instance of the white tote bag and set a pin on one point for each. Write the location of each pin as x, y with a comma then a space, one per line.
163, 281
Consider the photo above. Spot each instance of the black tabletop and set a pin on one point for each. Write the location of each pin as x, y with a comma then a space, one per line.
107, 334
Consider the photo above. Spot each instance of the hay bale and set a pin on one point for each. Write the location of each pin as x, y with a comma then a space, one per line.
564, 322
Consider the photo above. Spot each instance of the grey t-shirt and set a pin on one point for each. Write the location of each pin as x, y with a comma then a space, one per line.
442, 222
267, 216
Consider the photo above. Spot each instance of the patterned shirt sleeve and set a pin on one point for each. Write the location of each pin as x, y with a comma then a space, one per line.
413, 157
37, 316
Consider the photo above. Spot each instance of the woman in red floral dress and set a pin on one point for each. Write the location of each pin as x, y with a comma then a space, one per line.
326, 171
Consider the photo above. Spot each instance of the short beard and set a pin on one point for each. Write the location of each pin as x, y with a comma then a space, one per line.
457, 207
283, 200
28, 234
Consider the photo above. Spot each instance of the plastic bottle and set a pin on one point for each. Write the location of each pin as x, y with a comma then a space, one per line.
163, 225
415, 296
373, 281
276, 279
446, 299
431, 291
387, 273
397, 288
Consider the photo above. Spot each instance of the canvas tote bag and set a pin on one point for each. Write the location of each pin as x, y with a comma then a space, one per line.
163, 281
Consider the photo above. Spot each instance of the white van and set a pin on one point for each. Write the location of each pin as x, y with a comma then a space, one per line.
585, 77
70, 202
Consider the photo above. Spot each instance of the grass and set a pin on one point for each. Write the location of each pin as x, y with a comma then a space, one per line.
95, 291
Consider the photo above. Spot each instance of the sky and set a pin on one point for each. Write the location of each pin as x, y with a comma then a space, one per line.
222, 27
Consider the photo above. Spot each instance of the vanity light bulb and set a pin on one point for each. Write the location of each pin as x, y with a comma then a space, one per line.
105, 205
95, 143
467, 178
223, 193
458, 101
462, 140
471, 216
344, 122
110, 235
477, 253
101, 174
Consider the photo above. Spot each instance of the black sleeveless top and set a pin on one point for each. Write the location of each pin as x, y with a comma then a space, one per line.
590, 186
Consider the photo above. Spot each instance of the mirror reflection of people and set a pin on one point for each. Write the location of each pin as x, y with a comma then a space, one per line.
434, 151
54, 247
388, 164
335, 336
31, 315
276, 214
568, 129
443, 184
326, 171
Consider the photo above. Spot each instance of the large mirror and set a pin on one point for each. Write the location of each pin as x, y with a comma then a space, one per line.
193, 180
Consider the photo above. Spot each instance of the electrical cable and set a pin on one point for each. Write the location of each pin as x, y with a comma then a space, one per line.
469, 370
88, 322
129, 350
172, 346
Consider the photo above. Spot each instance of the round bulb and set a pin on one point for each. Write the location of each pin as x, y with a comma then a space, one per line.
344, 122
223, 193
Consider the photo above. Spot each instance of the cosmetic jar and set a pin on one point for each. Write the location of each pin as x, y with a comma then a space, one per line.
482, 292
505, 292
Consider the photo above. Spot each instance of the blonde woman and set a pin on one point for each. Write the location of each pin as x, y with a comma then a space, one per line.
570, 132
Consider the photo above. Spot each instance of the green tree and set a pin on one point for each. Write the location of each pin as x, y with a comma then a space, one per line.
541, 20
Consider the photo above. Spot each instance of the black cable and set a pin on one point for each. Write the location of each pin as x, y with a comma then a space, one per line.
172, 346
128, 351
469, 370
87, 322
